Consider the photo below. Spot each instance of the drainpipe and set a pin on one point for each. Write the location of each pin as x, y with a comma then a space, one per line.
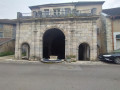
112, 33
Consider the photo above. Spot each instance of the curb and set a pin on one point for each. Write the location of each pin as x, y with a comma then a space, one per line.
66, 63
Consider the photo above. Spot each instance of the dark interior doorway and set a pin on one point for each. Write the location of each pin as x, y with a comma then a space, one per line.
54, 44
84, 51
25, 51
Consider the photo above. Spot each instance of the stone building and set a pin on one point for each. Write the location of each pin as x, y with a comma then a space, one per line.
62, 30
7, 35
110, 36
7, 28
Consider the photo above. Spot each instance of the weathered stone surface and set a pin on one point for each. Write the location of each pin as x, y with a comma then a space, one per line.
82, 31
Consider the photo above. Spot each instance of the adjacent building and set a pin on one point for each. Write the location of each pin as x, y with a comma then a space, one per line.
110, 35
7, 35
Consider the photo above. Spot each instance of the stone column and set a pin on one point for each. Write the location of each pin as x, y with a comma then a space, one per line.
17, 45
66, 47
32, 48
93, 55
41, 48
41, 43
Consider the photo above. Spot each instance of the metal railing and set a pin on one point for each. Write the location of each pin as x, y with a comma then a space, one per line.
53, 14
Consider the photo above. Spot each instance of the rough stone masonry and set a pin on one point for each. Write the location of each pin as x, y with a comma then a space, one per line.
77, 30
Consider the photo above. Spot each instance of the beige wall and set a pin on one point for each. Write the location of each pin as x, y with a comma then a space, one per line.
51, 8
116, 25
85, 7
116, 31
98, 7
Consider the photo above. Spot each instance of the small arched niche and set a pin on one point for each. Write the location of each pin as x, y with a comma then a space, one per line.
25, 51
84, 51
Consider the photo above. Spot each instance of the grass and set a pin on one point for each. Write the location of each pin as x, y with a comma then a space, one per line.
6, 53
70, 56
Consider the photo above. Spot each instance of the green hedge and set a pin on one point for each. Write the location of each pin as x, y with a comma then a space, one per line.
6, 53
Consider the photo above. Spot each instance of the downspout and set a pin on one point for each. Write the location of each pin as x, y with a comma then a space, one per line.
112, 33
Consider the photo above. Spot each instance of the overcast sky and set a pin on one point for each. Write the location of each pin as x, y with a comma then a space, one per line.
9, 8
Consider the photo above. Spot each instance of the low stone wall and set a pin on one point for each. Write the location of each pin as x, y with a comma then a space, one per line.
8, 46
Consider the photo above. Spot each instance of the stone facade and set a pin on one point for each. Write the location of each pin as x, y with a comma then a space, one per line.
7, 28
106, 35
110, 30
78, 21
7, 35
109, 35
76, 31
7, 31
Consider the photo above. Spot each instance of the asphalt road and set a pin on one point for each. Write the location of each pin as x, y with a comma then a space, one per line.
15, 76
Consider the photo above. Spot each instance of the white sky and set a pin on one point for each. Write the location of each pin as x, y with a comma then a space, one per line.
9, 8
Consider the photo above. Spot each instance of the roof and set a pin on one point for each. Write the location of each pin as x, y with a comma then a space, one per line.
7, 21
68, 4
112, 11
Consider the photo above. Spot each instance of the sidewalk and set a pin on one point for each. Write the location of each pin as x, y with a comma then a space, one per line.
10, 59
87, 63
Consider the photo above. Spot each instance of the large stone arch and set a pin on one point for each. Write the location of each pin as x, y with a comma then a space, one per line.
51, 27
54, 43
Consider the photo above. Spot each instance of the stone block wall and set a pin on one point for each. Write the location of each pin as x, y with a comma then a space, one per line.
76, 31
106, 35
8, 46
8, 30
109, 35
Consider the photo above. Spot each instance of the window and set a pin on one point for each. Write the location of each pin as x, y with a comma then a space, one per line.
93, 11
67, 11
118, 36
46, 11
1, 26
57, 11
1, 34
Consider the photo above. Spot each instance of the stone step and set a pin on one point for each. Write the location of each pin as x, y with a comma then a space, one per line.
51, 61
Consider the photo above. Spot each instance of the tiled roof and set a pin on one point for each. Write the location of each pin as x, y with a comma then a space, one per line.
7, 21
112, 11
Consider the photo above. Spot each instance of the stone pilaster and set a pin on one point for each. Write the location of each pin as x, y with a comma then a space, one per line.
109, 35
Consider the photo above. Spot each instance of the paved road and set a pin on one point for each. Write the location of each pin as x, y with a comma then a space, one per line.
15, 76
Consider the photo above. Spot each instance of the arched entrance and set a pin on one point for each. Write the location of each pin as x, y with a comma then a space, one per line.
54, 44
84, 52
25, 51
